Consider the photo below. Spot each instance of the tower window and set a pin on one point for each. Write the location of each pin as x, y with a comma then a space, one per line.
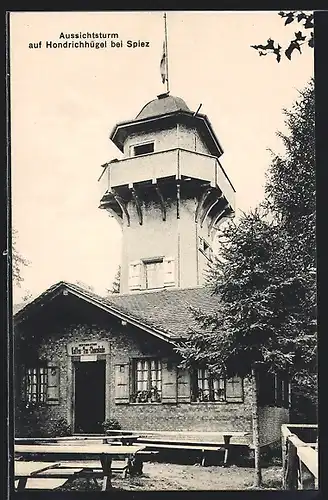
151, 273
154, 274
143, 149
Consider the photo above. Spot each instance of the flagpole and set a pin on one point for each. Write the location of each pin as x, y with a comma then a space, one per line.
167, 56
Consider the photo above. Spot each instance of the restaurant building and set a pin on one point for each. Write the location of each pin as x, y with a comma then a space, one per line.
83, 359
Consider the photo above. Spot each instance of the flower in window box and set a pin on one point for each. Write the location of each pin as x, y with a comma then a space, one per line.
219, 395
154, 395
141, 397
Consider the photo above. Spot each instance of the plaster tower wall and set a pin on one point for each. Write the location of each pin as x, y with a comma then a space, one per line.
174, 238
178, 136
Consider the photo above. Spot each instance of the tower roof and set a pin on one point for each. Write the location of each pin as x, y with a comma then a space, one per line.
162, 105
162, 112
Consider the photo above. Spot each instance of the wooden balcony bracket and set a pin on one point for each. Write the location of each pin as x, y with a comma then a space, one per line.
208, 209
178, 200
137, 203
123, 206
201, 201
161, 199
223, 213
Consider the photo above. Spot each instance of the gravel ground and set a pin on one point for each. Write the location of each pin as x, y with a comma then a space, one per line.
165, 476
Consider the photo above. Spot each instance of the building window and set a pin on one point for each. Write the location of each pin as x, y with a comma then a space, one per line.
204, 248
153, 271
36, 385
143, 149
207, 388
147, 381
273, 389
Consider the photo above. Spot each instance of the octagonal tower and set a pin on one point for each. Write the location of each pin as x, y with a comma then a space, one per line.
169, 194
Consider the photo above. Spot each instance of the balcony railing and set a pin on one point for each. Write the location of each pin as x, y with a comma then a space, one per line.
170, 163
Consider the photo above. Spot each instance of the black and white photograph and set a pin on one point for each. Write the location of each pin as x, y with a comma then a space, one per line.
163, 226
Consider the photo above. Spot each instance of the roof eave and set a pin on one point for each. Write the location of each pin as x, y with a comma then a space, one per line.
132, 123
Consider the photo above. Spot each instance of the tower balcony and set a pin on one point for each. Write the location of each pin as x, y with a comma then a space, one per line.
176, 164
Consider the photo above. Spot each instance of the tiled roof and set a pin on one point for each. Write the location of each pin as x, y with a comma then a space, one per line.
167, 311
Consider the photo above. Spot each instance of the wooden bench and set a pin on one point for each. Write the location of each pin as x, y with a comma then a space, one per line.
39, 484
173, 446
189, 440
42, 475
124, 439
93, 469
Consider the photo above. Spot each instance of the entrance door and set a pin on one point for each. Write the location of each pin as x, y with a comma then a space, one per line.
89, 396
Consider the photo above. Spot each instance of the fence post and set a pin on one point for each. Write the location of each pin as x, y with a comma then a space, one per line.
291, 477
284, 435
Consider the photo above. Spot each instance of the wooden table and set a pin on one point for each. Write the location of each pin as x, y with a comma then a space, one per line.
105, 452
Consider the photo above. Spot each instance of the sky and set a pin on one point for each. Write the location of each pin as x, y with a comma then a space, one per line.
65, 102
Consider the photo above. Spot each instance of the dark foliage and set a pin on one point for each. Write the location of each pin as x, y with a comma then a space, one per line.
265, 273
301, 37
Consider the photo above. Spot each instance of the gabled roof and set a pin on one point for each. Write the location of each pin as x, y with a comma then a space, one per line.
166, 314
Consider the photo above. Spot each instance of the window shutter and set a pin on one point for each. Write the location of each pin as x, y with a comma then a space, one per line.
122, 376
184, 380
169, 271
169, 382
53, 377
135, 275
234, 390
22, 388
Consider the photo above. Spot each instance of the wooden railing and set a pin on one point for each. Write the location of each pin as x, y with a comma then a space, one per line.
175, 162
299, 458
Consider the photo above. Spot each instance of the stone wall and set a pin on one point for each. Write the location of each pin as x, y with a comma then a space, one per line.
125, 343
271, 419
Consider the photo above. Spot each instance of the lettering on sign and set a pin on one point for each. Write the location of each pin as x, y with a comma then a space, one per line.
88, 348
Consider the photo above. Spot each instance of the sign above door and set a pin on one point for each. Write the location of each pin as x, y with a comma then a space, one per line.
89, 348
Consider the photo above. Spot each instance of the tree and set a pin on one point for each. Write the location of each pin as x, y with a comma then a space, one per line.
264, 276
18, 261
87, 287
27, 297
116, 283
301, 37
291, 197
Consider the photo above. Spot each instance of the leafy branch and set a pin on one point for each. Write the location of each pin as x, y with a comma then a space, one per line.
301, 37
